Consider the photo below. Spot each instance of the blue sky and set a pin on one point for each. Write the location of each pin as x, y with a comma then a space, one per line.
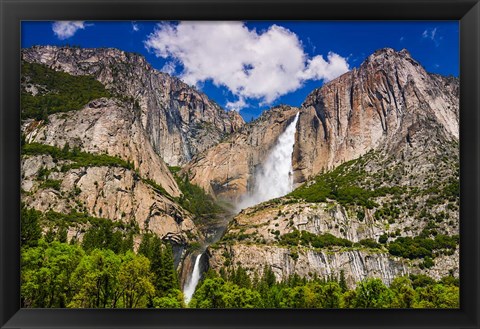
251, 66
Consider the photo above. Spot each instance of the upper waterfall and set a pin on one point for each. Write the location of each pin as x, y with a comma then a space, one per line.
275, 176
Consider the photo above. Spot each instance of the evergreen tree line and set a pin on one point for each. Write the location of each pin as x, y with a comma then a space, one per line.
235, 289
101, 272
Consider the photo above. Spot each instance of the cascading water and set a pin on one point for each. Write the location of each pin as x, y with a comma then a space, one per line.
274, 179
192, 283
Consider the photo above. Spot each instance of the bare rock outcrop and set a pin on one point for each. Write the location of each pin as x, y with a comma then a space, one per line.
105, 126
180, 121
389, 97
227, 169
114, 193
284, 262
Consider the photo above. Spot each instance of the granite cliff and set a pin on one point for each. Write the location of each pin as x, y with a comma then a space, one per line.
382, 104
179, 120
227, 169
375, 166
376, 163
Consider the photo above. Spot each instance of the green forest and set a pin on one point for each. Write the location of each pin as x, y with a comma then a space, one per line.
103, 271
235, 289
56, 91
100, 272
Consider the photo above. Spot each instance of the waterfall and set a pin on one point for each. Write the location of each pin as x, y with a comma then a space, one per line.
274, 179
192, 284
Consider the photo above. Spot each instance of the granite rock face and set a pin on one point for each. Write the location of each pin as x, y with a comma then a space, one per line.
383, 103
118, 194
105, 126
398, 124
179, 120
394, 128
227, 169
356, 264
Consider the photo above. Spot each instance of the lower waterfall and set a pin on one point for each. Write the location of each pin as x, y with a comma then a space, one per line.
275, 176
192, 283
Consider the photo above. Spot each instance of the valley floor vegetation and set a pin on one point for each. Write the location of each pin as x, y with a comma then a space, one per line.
103, 271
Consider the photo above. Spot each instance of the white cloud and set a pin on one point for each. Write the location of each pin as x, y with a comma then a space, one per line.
169, 68
236, 105
320, 69
135, 27
66, 29
432, 35
252, 65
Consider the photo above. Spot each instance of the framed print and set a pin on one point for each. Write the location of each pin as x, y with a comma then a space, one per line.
239, 164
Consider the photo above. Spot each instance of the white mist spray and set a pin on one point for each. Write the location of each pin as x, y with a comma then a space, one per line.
192, 284
275, 177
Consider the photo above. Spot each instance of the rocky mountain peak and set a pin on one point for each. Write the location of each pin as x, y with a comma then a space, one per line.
278, 114
236, 119
59, 58
389, 54
387, 51
180, 121
388, 58
389, 97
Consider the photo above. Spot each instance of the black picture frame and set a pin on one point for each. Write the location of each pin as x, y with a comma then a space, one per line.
13, 12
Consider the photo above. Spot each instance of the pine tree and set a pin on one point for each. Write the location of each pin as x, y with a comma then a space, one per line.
157, 264
268, 276
62, 234
50, 236
30, 228
145, 248
342, 282
170, 273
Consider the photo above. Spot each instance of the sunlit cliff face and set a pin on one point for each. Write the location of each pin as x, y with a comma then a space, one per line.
274, 177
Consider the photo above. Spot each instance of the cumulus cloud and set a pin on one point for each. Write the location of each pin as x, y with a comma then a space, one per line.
252, 65
236, 105
66, 29
320, 69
